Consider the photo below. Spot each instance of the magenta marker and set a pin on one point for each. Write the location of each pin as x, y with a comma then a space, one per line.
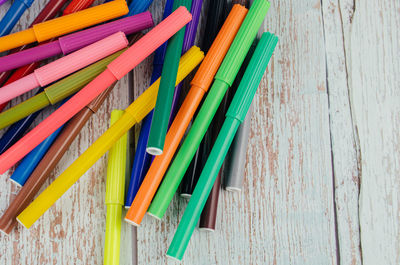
64, 66
76, 41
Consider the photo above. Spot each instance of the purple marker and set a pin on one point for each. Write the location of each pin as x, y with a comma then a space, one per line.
76, 41
2, 2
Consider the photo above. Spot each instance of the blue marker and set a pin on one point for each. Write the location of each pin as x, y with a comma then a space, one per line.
12, 16
142, 160
138, 6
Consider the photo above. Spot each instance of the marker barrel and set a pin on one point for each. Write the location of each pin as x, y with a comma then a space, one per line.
162, 111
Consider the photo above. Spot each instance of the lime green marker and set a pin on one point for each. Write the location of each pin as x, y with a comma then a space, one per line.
162, 110
115, 191
234, 117
223, 80
56, 92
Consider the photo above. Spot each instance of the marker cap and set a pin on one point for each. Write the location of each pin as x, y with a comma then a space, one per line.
205, 75
126, 25
155, 38
82, 19
81, 58
230, 67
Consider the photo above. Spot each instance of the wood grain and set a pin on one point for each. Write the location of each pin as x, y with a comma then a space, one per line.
322, 166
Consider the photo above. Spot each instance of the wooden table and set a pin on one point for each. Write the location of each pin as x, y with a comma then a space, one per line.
322, 177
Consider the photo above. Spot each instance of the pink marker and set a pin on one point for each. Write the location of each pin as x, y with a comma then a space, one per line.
115, 71
64, 66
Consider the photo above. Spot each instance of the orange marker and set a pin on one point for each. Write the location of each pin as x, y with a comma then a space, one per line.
200, 84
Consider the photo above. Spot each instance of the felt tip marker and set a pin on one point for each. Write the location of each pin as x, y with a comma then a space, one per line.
115, 189
13, 14
142, 159
234, 117
159, 123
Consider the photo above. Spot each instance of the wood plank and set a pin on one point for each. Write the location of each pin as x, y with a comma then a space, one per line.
373, 52
344, 140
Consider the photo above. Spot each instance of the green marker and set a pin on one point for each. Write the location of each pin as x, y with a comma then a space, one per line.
223, 80
56, 92
234, 117
162, 110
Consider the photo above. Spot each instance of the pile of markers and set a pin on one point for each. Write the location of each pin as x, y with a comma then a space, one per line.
184, 139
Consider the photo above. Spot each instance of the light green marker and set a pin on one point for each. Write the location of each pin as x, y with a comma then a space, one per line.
223, 80
115, 191
234, 117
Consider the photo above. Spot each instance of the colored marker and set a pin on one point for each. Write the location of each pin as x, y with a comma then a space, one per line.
223, 80
235, 115
133, 114
51, 9
136, 6
200, 84
31, 160
159, 123
64, 66
77, 4
115, 191
215, 19
63, 25
73, 42
115, 71
236, 159
13, 14
2, 1
142, 159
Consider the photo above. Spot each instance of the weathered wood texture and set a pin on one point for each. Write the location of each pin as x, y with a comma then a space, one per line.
322, 166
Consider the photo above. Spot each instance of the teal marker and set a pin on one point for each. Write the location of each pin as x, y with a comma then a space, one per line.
234, 117
223, 80
162, 110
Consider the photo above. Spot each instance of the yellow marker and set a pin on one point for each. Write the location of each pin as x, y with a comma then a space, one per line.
115, 189
65, 24
133, 114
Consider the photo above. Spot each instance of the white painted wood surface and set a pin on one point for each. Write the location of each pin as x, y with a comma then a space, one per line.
322, 167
